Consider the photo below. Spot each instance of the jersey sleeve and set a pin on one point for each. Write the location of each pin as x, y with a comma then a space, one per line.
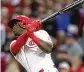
11, 45
43, 35
17, 45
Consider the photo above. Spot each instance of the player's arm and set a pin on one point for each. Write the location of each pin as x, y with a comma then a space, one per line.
45, 45
17, 44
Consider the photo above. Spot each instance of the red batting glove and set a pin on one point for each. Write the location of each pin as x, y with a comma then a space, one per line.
30, 28
24, 20
22, 24
36, 24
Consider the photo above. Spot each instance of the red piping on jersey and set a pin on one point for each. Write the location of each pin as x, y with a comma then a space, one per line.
30, 47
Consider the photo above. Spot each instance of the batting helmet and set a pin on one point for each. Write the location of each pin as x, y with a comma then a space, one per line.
23, 21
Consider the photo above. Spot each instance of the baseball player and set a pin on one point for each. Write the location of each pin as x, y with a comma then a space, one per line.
33, 45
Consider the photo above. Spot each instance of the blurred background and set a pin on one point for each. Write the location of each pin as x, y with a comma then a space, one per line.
66, 31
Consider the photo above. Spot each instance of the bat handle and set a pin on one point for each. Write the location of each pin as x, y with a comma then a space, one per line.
49, 17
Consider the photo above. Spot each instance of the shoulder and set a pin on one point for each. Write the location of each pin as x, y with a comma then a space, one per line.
43, 35
41, 32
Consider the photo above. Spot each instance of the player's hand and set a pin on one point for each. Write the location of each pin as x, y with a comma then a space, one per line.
24, 21
30, 28
22, 24
36, 24
33, 26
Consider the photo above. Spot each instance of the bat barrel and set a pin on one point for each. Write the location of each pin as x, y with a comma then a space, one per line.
74, 4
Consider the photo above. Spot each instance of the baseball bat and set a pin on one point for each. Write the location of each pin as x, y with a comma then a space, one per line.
66, 8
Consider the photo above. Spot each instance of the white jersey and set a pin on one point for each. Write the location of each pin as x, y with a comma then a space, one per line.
32, 58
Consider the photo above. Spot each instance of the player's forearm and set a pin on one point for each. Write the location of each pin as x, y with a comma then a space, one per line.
16, 46
45, 46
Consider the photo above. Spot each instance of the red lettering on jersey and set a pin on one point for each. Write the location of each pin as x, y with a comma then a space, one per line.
41, 70
54, 66
31, 42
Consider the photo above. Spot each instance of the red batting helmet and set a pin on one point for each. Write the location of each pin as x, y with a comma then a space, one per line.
23, 21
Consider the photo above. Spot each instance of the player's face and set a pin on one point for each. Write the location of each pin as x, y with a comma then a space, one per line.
17, 30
